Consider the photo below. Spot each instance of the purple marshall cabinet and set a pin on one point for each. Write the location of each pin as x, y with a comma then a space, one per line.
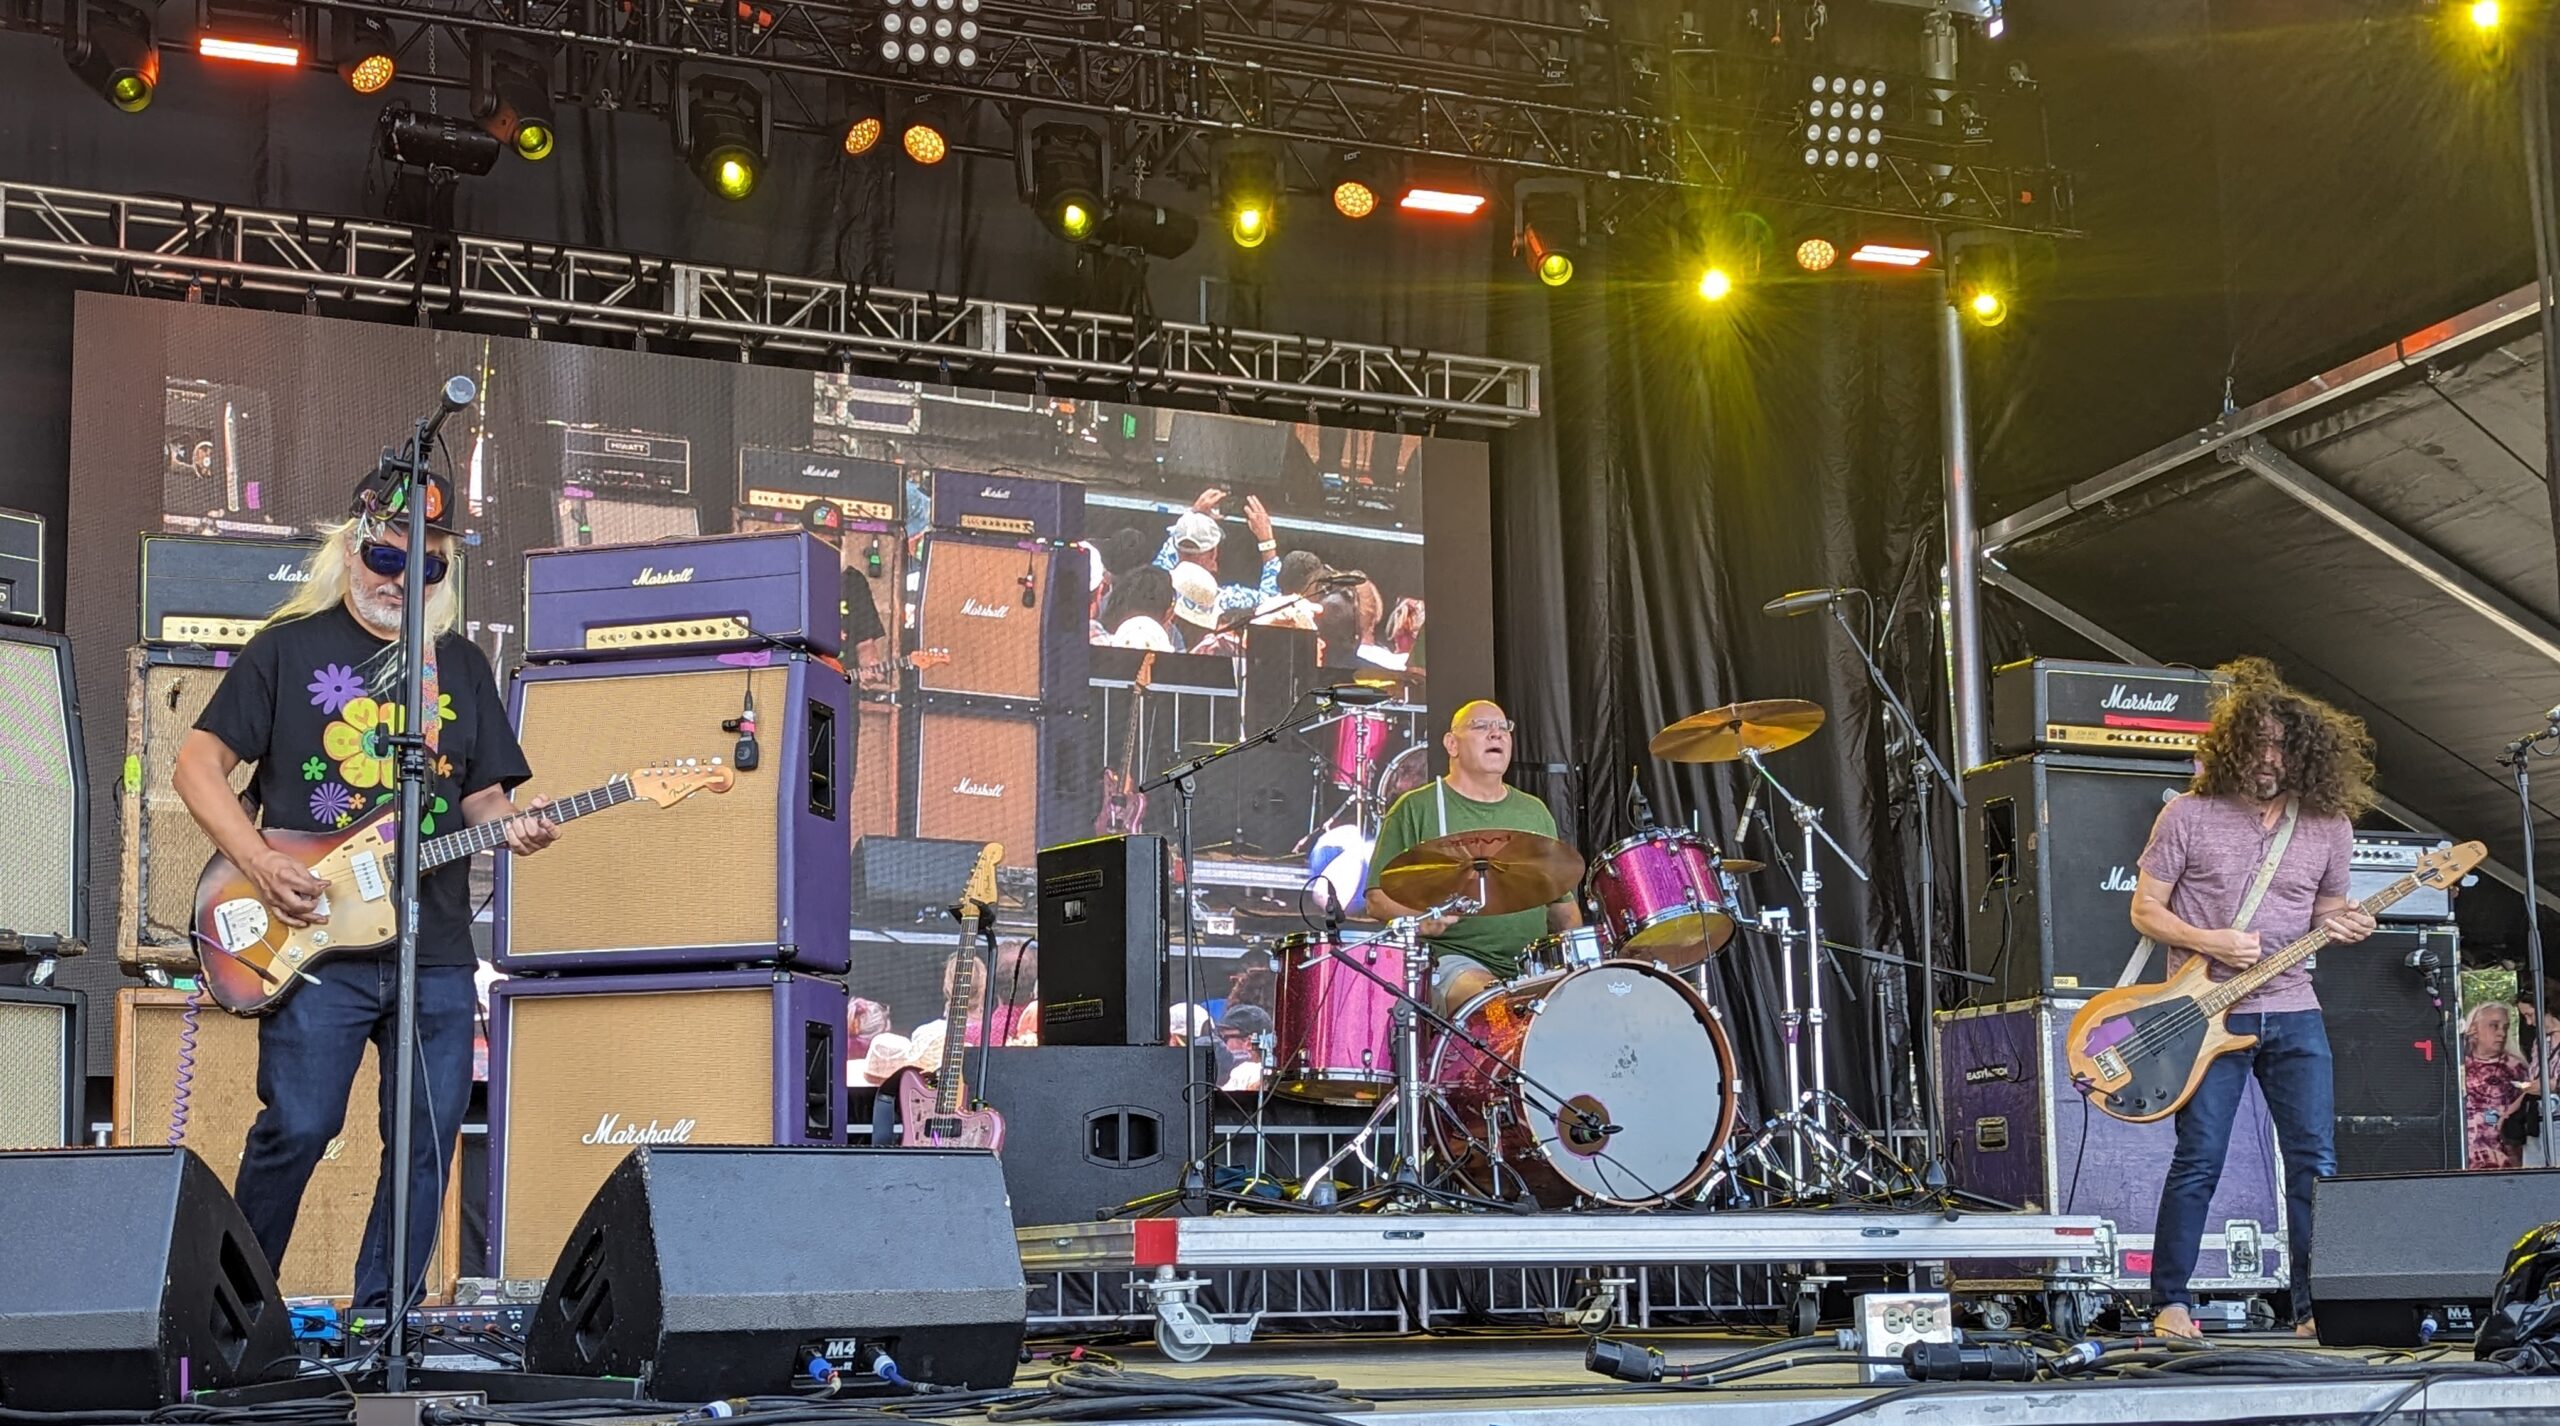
758, 875
583, 1069
2017, 1131
693, 592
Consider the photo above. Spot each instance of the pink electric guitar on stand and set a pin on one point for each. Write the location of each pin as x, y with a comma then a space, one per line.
934, 1115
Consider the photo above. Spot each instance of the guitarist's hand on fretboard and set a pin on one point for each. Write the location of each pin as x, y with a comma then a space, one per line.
527, 830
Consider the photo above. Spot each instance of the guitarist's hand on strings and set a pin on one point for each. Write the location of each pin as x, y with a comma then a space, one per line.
288, 888
2236, 949
526, 833
2349, 925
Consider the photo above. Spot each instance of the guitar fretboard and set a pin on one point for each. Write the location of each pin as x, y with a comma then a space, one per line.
486, 836
2231, 992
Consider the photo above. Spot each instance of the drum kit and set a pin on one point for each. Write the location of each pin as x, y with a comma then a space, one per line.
1600, 1075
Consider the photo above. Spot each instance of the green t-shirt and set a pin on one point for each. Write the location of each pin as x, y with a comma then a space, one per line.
1493, 941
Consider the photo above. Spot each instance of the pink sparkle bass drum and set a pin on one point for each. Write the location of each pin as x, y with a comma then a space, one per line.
1660, 898
1334, 1038
1360, 748
1631, 1045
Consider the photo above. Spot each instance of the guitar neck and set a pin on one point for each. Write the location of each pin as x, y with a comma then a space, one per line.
948, 1097
2231, 992
484, 836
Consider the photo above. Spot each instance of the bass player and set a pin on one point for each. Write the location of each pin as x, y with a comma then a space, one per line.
312, 700
2245, 861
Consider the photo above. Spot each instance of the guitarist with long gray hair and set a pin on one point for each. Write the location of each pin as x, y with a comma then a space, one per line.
312, 701
2246, 861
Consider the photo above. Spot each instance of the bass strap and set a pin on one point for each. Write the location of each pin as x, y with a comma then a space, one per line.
2248, 904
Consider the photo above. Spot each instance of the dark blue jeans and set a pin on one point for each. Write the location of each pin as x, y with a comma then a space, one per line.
308, 1054
2291, 1061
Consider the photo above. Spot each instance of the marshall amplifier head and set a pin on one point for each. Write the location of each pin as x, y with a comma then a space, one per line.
216, 592
592, 456
21, 567
670, 596
1012, 506
869, 492
2063, 706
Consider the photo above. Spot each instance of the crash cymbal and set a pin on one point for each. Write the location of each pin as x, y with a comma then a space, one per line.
1521, 871
1742, 866
1720, 735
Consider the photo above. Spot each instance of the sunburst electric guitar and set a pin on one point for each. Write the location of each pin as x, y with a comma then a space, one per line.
2139, 1051
251, 959
936, 1115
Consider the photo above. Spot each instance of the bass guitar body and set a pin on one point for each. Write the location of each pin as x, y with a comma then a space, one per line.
250, 958
2139, 1051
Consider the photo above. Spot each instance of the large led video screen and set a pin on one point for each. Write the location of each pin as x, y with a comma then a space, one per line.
1185, 580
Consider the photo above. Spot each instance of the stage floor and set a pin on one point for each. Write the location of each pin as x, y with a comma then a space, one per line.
1521, 1380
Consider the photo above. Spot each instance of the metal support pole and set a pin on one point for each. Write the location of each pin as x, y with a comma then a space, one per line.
1966, 664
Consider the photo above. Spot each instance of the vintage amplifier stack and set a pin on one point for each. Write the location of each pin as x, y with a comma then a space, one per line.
671, 969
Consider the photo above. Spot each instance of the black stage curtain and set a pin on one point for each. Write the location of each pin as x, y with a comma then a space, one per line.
1693, 464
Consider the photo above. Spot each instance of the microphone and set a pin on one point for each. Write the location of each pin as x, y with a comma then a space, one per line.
1332, 908
2550, 726
1030, 591
1750, 804
747, 754
1644, 809
1356, 695
1787, 606
459, 391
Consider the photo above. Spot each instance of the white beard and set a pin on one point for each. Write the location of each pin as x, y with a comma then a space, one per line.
379, 611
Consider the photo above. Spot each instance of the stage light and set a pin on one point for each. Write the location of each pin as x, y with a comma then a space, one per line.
724, 130
926, 132
1354, 199
1985, 307
366, 58
935, 34
2485, 15
1059, 167
1981, 276
860, 118
1816, 254
1547, 227
511, 98
249, 51
427, 154
112, 50
1442, 200
1151, 228
249, 31
1715, 284
1360, 182
1249, 194
1889, 255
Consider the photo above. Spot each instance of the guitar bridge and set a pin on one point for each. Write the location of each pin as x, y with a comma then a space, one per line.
2110, 1064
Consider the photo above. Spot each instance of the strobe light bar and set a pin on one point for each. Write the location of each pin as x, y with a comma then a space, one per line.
250, 32
1889, 255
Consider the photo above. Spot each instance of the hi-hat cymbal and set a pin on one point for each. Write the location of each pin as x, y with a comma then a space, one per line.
1721, 735
1742, 866
1510, 871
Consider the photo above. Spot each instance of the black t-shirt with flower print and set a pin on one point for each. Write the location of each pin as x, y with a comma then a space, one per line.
312, 702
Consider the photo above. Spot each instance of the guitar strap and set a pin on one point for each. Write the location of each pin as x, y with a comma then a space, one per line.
2248, 904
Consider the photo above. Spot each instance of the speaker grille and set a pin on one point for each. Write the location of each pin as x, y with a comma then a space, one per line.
222, 1102
33, 1061
605, 521
39, 796
877, 762
164, 848
700, 873
978, 780
972, 609
702, 1058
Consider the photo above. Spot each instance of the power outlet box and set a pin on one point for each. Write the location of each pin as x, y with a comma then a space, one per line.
1891, 1321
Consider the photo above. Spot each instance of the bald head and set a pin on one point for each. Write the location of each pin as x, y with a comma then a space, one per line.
1485, 706
1479, 742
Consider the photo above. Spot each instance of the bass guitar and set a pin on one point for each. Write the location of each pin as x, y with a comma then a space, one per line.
251, 959
935, 1115
2139, 1051
1123, 805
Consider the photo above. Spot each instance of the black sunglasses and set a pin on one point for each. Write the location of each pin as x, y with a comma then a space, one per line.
390, 561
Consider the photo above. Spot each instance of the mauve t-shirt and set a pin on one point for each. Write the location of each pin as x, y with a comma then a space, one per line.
2209, 849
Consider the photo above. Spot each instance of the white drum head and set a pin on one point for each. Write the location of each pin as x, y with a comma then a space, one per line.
1629, 1043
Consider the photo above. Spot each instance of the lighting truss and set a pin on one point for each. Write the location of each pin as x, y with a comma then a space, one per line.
171, 244
1642, 118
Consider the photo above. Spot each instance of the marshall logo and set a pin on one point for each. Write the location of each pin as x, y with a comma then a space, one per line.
992, 492
611, 1130
2121, 699
289, 574
648, 576
969, 787
2117, 879
821, 472
976, 610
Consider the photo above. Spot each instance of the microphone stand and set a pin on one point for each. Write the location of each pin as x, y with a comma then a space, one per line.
1927, 772
2519, 755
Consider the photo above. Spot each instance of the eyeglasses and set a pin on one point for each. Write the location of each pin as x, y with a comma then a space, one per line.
390, 561
1491, 725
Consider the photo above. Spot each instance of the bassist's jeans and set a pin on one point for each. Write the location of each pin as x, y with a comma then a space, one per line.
308, 1054
2291, 1061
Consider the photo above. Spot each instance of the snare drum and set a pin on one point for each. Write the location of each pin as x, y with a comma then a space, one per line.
1635, 1053
1561, 951
1334, 1036
1660, 898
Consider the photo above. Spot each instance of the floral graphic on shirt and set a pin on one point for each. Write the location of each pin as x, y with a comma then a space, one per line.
314, 769
332, 804
333, 686
427, 824
360, 741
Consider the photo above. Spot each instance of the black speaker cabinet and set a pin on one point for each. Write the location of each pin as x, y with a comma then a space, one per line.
712, 1273
1102, 941
2388, 1005
2392, 1251
2051, 843
1089, 1127
141, 1284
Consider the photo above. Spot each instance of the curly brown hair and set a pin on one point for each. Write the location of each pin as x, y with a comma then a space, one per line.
2328, 754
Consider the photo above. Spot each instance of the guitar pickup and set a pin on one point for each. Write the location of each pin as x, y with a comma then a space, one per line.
2110, 1064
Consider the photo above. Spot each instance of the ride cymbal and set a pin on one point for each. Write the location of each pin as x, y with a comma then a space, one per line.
1511, 871
1721, 735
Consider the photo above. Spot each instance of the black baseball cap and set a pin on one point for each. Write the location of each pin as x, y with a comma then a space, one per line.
382, 495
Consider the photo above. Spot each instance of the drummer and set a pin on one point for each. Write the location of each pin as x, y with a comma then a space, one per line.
1470, 954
